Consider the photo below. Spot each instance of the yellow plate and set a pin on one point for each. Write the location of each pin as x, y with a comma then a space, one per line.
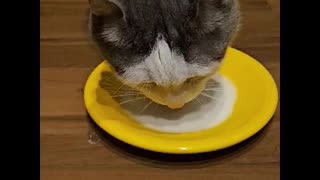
257, 99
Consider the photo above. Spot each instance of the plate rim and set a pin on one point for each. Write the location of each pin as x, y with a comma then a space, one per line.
207, 148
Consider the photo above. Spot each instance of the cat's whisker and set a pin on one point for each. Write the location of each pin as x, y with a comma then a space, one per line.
114, 91
139, 92
122, 85
145, 107
216, 85
206, 95
110, 78
120, 91
123, 95
113, 85
129, 91
124, 92
110, 84
149, 89
129, 94
114, 88
138, 95
143, 87
198, 101
218, 90
156, 108
212, 83
213, 87
119, 88
112, 75
146, 88
131, 100
120, 95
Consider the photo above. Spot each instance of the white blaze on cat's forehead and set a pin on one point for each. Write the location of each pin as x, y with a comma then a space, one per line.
163, 67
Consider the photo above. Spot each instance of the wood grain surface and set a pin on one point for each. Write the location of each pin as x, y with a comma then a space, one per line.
67, 58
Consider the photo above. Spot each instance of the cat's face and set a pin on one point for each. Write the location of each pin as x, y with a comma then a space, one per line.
167, 49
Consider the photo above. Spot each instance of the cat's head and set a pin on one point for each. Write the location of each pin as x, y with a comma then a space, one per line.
167, 49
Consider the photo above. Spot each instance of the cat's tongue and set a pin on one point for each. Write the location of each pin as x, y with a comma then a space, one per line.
175, 106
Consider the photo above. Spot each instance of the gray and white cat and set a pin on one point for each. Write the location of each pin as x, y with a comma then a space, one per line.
170, 46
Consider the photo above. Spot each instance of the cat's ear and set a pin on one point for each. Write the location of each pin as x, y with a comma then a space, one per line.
107, 7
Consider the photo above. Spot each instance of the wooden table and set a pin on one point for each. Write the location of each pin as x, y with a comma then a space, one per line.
67, 57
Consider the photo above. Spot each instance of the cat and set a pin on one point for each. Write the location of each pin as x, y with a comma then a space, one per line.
166, 49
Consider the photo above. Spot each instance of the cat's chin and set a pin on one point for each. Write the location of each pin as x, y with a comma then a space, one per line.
174, 104
171, 105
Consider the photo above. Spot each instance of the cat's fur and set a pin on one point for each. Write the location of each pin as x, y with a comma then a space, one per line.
165, 42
